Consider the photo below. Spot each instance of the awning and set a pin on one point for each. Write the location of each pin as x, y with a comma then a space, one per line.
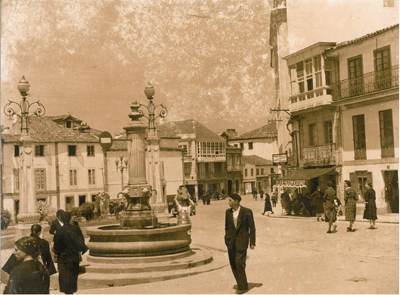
298, 179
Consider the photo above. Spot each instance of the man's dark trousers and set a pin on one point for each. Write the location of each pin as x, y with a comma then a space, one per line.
237, 260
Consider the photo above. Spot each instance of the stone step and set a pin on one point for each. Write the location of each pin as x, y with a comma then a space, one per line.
197, 258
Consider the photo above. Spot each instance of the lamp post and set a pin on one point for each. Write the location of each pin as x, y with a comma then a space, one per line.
27, 194
121, 163
154, 175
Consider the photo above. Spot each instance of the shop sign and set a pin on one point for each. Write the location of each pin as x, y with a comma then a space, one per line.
279, 159
291, 183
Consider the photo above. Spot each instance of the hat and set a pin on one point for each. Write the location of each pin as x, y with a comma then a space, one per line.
348, 183
236, 197
28, 245
329, 183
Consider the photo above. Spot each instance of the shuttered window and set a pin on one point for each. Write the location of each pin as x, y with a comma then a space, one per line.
386, 134
359, 137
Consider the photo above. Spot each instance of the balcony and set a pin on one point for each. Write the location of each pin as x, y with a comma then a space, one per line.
231, 168
321, 155
187, 158
310, 99
368, 83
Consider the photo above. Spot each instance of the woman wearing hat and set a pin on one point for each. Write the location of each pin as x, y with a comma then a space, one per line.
30, 276
350, 201
370, 205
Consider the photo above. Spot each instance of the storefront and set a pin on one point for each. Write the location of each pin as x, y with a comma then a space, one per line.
306, 180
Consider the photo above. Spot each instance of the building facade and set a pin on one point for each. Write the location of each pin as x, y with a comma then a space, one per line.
258, 174
204, 156
366, 96
68, 163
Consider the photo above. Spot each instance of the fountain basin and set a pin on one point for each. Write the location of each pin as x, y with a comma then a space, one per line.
113, 241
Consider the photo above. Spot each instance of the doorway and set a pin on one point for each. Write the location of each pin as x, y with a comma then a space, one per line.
237, 186
229, 187
82, 199
69, 203
392, 190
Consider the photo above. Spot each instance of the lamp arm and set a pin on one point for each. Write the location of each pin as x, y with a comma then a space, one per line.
142, 113
9, 111
40, 111
163, 112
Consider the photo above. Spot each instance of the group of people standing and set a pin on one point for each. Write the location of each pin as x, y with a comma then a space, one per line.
31, 264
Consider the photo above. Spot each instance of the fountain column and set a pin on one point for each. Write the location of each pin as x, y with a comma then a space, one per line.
139, 213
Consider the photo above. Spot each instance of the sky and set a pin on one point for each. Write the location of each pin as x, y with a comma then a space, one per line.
208, 60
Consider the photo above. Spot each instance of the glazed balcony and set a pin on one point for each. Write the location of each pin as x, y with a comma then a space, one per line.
368, 83
310, 99
322, 155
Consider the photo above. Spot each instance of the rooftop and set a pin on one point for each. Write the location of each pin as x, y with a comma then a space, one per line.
45, 129
188, 127
362, 38
256, 160
266, 131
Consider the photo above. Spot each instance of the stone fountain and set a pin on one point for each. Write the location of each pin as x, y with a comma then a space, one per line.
140, 249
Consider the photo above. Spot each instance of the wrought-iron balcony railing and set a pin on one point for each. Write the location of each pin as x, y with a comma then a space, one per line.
318, 155
370, 82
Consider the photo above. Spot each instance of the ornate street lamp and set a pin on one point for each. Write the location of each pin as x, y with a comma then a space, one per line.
23, 107
27, 193
121, 163
151, 108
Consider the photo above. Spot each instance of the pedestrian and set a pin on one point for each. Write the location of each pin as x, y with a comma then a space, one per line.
44, 249
317, 204
286, 202
69, 243
183, 204
56, 223
350, 201
261, 194
255, 194
370, 205
331, 202
239, 232
267, 205
29, 276
274, 198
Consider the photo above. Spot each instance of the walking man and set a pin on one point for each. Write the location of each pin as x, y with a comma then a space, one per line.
239, 230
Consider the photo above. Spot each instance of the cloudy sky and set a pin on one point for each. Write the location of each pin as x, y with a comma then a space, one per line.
208, 60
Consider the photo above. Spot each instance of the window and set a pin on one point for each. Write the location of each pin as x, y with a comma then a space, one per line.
293, 82
262, 171
386, 134
257, 171
272, 171
359, 137
300, 76
40, 179
309, 74
90, 150
271, 62
328, 135
39, 150
72, 177
355, 76
91, 176
251, 172
242, 145
16, 179
187, 168
312, 133
250, 145
383, 76
318, 71
202, 168
245, 172
68, 124
72, 150
229, 160
16, 150
237, 160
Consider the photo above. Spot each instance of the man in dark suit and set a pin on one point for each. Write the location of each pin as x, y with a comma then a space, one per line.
239, 230
44, 248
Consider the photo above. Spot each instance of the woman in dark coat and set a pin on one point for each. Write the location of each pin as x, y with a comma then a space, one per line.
267, 205
350, 201
30, 276
68, 244
370, 205
317, 204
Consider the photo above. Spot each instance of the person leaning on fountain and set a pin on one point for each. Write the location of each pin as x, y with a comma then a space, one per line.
183, 204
